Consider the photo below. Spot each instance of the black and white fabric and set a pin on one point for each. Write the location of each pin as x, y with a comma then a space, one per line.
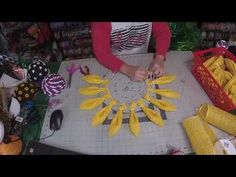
7, 58
37, 71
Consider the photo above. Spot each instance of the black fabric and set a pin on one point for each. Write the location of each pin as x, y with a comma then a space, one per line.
25, 91
36, 148
37, 71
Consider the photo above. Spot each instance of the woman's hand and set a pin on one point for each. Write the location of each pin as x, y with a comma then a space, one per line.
134, 72
156, 67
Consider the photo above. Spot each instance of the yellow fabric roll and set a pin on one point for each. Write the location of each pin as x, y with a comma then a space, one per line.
116, 122
103, 114
133, 121
198, 136
218, 118
218, 63
208, 62
229, 84
231, 66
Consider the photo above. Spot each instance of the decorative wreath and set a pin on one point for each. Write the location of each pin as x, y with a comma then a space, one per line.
98, 85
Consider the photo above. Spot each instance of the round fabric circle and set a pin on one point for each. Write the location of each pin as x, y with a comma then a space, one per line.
37, 71
53, 84
25, 91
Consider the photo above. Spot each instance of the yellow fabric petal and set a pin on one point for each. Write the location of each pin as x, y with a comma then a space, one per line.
133, 120
165, 92
218, 118
163, 80
231, 66
199, 139
162, 104
218, 63
116, 122
91, 90
228, 75
208, 62
94, 79
151, 114
102, 115
229, 84
93, 102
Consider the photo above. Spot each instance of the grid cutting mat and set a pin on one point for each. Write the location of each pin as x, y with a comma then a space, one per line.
76, 133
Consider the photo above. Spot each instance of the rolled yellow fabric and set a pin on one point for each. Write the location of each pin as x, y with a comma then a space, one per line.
200, 140
218, 118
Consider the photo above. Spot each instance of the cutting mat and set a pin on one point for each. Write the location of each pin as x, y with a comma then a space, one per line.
77, 135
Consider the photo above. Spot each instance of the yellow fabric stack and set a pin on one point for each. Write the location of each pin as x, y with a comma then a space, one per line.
201, 136
198, 136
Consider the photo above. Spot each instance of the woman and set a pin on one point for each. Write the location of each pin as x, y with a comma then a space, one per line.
111, 39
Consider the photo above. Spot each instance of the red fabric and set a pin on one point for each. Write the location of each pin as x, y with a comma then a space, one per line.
101, 32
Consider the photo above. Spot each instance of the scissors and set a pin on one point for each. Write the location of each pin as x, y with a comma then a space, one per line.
71, 70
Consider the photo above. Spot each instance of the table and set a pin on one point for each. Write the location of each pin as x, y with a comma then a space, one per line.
77, 135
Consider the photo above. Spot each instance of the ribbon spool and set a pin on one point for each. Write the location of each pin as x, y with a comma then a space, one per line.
222, 43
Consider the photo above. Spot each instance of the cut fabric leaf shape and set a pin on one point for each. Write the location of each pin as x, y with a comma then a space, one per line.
229, 84
91, 90
151, 114
220, 76
93, 102
133, 120
162, 80
218, 63
94, 79
231, 66
208, 62
102, 115
228, 75
162, 104
168, 93
116, 122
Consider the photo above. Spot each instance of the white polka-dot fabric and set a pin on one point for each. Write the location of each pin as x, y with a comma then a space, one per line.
37, 71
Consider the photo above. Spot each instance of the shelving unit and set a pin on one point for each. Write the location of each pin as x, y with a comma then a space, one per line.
73, 38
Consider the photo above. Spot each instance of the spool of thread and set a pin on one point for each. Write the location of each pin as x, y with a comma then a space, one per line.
57, 25
211, 35
218, 36
65, 44
203, 34
221, 27
211, 26
218, 118
226, 36
227, 27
